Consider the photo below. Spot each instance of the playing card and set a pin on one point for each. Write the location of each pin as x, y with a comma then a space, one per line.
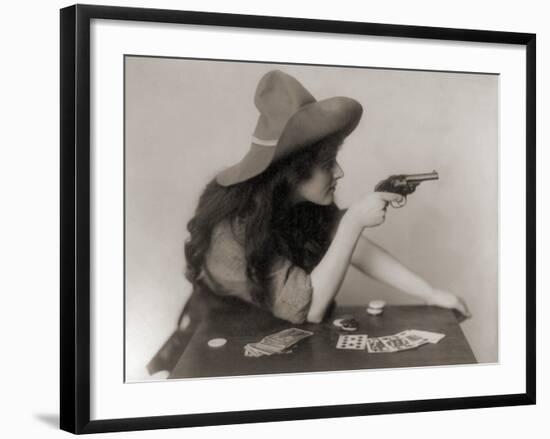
278, 343
432, 337
376, 345
355, 341
251, 352
264, 349
398, 343
287, 337
412, 337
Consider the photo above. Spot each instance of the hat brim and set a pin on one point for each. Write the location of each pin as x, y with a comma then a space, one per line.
316, 121
253, 163
308, 125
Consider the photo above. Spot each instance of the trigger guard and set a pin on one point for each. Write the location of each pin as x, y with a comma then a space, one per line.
397, 204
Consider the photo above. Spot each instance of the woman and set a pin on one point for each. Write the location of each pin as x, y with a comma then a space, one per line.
267, 230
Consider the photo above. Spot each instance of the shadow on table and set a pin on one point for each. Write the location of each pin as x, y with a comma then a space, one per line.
201, 306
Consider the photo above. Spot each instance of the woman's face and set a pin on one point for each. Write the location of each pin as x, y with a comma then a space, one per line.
320, 187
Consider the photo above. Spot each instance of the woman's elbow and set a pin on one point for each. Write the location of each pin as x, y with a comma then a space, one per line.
317, 309
314, 319
315, 315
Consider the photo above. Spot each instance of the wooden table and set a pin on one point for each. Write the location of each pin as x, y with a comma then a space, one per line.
318, 352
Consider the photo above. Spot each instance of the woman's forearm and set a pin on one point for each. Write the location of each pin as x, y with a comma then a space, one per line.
329, 274
377, 263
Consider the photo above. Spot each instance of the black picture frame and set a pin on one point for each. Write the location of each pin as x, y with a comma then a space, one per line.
75, 216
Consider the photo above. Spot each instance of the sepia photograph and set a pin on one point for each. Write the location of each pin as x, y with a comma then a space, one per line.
298, 218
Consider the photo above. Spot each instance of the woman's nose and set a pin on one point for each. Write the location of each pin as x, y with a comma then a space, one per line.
337, 171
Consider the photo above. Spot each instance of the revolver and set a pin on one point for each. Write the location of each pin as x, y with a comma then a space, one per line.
404, 185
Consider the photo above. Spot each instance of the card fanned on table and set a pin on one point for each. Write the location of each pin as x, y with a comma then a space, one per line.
409, 339
278, 343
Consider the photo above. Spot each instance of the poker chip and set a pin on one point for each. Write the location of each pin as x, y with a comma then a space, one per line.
349, 325
338, 322
377, 304
217, 342
376, 307
348, 328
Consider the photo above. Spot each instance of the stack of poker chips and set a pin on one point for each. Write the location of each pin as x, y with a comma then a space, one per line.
376, 307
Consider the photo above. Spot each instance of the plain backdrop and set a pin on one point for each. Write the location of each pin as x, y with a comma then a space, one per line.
29, 179
187, 119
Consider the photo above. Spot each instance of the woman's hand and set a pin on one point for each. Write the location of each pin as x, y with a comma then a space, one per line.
445, 299
370, 211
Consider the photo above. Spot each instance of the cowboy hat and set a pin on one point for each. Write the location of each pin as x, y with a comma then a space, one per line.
290, 119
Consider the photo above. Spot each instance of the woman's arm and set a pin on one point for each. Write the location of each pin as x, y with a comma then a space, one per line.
328, 275
376, 262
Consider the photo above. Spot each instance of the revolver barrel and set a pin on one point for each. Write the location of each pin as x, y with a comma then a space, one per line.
422, 177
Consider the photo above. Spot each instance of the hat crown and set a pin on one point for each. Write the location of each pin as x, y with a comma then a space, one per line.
290, 118
278, 96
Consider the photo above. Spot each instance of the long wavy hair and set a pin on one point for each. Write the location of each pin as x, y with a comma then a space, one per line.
273, 224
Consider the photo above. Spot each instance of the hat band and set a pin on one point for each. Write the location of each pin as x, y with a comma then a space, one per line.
261, 142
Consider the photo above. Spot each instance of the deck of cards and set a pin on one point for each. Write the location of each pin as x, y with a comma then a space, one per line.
408, 339
278, 343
